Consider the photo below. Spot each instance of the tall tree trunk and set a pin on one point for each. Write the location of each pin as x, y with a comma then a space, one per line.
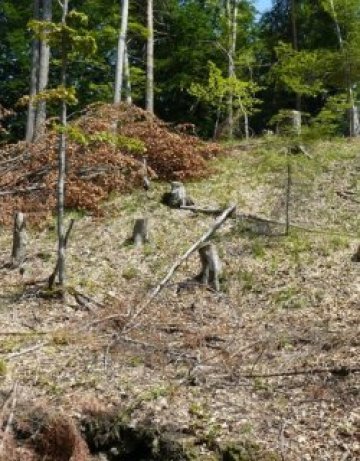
62, 161
31, 114
127, 77
121, 51
354, 122
232, 12
150, 58
295, 44
43, 75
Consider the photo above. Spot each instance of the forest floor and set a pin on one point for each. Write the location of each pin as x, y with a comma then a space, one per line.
266, 369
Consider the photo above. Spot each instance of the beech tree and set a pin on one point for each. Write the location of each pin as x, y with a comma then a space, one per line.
150, 58
71, 39
119, 73
39, 74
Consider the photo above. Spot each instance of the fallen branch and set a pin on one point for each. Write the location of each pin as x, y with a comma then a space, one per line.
10, 419
27, 351
219, 221
195, 209
26, 190
347, 195
337, 371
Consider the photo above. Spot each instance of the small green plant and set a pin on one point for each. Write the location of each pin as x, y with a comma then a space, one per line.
3, 368
197, 409
130, 273
258, 248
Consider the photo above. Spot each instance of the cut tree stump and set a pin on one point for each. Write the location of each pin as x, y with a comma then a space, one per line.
356, 256
176, 198
140, 234
19, 240
210, 266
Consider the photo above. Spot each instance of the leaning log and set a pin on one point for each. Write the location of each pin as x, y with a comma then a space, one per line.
210, 266
19, 240
140, 232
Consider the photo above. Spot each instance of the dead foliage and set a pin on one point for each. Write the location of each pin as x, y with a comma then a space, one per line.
104, 154
46, 435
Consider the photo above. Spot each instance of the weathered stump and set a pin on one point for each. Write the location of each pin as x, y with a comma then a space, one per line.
291, 122
210, 266
177, 198
140, 234
19, 240
356, 256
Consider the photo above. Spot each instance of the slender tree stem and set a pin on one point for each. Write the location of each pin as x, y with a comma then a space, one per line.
121, 51
150, 58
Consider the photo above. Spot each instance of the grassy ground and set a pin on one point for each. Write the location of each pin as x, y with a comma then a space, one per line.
194, 359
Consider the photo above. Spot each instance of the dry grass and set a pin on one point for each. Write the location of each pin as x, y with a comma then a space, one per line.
288, 303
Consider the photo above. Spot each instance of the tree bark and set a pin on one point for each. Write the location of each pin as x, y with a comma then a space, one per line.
121, 51
62, 162
232, 13
43, 75
19, 240
210, 266
141, 232
295, 43
353, 113
31, 114
127, 77
176, 198
150, 58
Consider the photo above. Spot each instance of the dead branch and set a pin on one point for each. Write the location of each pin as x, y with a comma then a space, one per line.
27, 351
195, 209
25, 190
347, 195
219, 221
337, 371
13, 397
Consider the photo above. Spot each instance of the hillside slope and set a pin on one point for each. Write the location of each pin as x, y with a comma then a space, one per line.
267, 369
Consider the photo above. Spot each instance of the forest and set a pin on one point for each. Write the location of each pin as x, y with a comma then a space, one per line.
179, 230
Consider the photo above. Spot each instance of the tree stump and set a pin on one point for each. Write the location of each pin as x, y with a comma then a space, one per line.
177, 198
210, 266
356, 256
140, 234
19, 240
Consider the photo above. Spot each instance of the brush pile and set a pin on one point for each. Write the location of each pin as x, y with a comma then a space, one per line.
105, 147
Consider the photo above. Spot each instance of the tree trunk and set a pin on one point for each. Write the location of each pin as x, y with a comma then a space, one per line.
43, 75
140, 232
127, 77
121, 51
31, 115
176, 198
62, 162
210, 266
150, 58
353, 113
19, 239
232, 12
295, 45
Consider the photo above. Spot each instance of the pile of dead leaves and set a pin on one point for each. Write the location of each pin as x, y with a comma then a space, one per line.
105, 150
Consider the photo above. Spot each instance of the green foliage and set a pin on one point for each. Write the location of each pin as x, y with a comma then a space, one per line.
299, 71
3, 368
217, 89
330, 120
